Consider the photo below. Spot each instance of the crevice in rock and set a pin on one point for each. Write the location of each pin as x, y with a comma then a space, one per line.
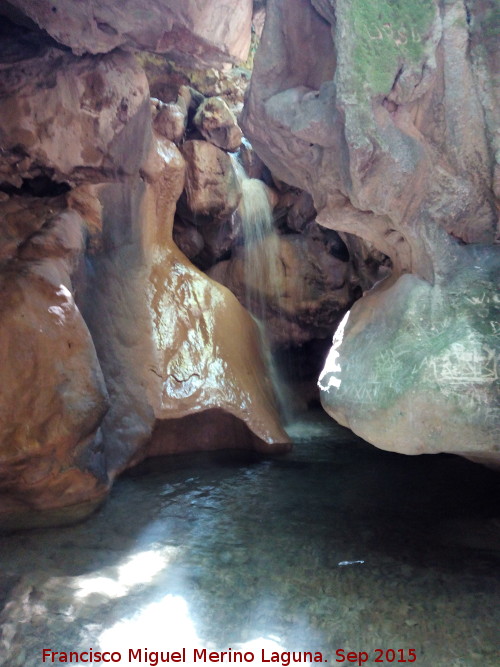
40, 186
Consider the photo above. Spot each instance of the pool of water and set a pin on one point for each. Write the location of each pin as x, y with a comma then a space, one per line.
334, 548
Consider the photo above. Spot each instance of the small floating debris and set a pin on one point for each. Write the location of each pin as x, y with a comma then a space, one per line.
344, 563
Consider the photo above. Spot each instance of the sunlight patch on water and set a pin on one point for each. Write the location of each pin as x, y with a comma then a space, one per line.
161, 625
140, 568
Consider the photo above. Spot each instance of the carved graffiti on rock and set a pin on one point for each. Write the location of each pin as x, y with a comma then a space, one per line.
398, 35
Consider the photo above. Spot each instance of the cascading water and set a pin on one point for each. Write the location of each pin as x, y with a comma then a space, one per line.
263, 270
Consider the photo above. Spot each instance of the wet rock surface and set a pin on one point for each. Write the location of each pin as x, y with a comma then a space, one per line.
334, 546
106, 327
212, 187
303, 298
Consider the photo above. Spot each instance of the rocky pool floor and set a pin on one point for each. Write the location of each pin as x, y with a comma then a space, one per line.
337, 547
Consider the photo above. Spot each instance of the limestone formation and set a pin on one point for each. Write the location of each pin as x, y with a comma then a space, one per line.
431, 383
70, 119
388, 115
170, 341
53, 396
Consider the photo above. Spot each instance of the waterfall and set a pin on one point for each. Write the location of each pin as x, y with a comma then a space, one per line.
263, 274
263, 270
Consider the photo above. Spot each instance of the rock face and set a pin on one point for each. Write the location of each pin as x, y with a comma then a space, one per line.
108, 333
200, 33
170, 342
388, 116
71, 118
306, 294
53, 395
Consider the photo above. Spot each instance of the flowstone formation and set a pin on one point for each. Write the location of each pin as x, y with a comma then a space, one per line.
387, 113
109, 336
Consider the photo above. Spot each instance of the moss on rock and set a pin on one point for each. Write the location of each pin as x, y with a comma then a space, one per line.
386, 34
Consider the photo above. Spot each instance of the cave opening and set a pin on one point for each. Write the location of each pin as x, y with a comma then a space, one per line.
249, 333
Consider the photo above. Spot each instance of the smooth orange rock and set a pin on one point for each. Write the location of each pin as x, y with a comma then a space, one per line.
53, 395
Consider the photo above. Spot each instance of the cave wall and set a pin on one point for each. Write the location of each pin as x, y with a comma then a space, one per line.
387, 113
108, 332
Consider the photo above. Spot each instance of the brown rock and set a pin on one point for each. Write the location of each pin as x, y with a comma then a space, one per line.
201, 34
70, 118
157, 324
252, 164
205, 431
301, 212
217, 124
187, 238
189, 346
170, 119
212, 187
53, 395
302, 296
207, 346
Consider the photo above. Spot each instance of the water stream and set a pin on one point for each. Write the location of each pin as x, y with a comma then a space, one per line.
263, 272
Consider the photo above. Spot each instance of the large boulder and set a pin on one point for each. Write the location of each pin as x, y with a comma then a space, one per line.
59, 130
429, 384
388, 115
170, 341
204, 33
217, 124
